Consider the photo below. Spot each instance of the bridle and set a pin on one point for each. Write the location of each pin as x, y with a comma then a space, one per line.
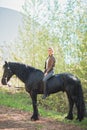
5, 78
7, 82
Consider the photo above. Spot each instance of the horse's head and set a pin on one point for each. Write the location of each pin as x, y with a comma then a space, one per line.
7, 74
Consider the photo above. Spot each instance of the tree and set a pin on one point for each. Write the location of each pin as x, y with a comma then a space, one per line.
35, 35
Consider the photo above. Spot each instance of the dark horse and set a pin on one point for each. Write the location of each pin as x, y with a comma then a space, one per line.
32, 79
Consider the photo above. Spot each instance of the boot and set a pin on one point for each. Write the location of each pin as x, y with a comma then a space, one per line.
45, 91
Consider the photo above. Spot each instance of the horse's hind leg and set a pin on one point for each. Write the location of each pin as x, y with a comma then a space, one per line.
78, 115
71, 103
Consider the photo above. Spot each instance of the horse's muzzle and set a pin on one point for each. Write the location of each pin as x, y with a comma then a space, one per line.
4, 81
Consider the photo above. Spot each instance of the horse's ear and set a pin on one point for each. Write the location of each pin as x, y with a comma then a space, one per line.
6, 62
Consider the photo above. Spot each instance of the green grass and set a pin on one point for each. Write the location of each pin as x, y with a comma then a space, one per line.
18, 100
23, 101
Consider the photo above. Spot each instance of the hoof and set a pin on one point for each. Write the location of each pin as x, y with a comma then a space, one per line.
69, 118
34, 118
79, 119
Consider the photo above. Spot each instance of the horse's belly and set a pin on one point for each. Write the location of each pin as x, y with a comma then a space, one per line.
54, 85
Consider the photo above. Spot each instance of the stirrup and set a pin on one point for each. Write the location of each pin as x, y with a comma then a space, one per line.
44, 96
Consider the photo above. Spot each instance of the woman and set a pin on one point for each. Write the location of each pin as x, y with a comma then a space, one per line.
49, 69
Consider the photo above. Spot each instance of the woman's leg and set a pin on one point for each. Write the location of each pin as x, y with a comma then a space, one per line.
44, 83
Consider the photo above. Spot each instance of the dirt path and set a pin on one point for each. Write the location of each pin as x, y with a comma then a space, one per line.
12, 119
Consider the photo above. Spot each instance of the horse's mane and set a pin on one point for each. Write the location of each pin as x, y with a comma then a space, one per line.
17, 64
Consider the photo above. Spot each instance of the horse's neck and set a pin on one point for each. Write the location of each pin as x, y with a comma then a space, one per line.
21, 72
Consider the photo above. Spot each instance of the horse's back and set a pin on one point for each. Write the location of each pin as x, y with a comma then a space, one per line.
59, 82
67, 76
63, 77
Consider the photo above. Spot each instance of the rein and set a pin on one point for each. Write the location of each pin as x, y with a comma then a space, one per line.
6, 78
7, 82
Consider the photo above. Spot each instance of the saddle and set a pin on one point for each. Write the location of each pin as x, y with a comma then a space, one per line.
51, 77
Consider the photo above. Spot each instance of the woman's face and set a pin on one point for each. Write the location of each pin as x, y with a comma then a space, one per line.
50, 51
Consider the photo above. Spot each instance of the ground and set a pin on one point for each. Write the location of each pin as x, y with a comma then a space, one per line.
12, 119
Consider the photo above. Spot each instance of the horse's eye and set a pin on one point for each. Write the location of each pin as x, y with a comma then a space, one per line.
8, 68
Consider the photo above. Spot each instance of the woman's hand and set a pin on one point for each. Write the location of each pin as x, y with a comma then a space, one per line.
45, 74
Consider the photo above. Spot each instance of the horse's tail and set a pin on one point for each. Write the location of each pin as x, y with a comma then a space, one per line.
80, 102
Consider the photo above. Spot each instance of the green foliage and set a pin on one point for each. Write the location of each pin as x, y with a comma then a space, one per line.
57, 102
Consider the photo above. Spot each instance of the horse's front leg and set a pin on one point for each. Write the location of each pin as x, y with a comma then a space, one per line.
35, 109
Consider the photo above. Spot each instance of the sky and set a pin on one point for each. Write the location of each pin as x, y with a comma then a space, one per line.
9, 27
17, 4
12, 4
